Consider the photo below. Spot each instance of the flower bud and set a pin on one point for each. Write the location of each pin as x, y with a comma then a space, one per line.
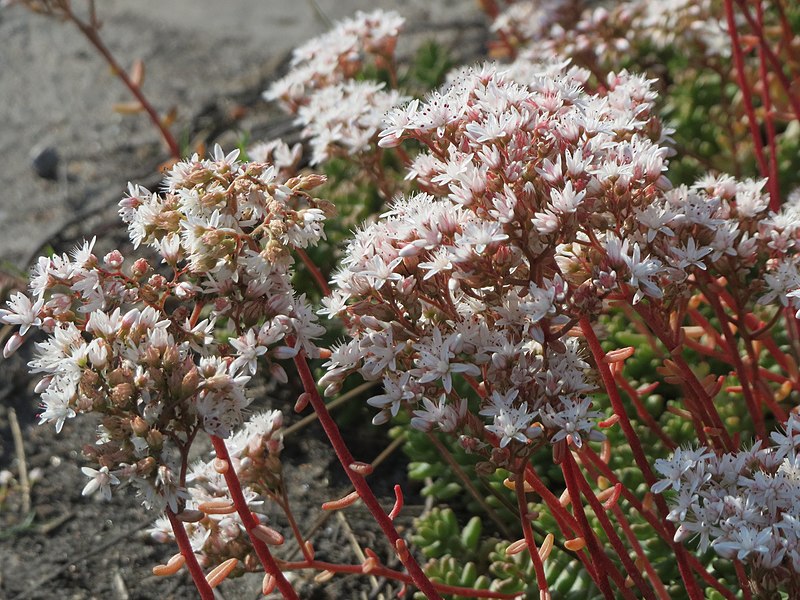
190, 382
171, 358
12, 345
140, 268
146, 466
113, 259
139, 426
155, 439
98, 353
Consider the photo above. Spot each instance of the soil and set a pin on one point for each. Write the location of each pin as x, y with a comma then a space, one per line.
77, 548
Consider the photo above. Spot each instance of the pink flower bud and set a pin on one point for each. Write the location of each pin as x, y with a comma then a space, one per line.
13, 343
140, 268
113, 259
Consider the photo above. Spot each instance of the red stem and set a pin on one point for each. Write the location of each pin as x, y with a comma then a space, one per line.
747, 99
642, 411
747, 386
704, 409
381, 571
315, 272
249, 521
743, 581
636, 447
605, 567
566, 522
206, 593
774, 61
664, 529
91, 34
359, 483
538, 566
655, 580
605, 523
766, 99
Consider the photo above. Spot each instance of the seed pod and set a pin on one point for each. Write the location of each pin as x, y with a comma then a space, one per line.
190, 516
398, 503
268, 584
361, 468
513, 486
302, 402
368, 565
309, 547
619, 355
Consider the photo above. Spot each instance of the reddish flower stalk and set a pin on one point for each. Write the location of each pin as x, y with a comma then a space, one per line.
359, 483
205, 591
616, 402
569, 526
743, 579
249, 521
664, 529
704, 406
786, 31
655, 580
636, 447
605, 523
605, 568
89, 30
319, 278
766, 100
382, 571
747, 98
770, 55
538, 566
645, 416
747, 387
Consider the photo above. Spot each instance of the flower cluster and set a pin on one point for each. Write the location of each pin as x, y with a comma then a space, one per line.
162, 353
339, 113
461, 280
745, 505
602, 36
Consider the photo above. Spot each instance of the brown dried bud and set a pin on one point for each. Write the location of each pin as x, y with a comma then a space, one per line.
139, 426
119, 375
89, 383
146, 466
155, 439
122, 394
171, 358
190, 382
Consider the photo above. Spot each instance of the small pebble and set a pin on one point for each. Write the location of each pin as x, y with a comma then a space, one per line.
45, 163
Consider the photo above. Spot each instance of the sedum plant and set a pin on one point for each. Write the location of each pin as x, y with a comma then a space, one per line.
593, 366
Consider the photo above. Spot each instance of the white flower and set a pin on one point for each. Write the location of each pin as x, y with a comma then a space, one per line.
21, 311
674, 468
56, 407
248, 350
743, 541
100, 481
